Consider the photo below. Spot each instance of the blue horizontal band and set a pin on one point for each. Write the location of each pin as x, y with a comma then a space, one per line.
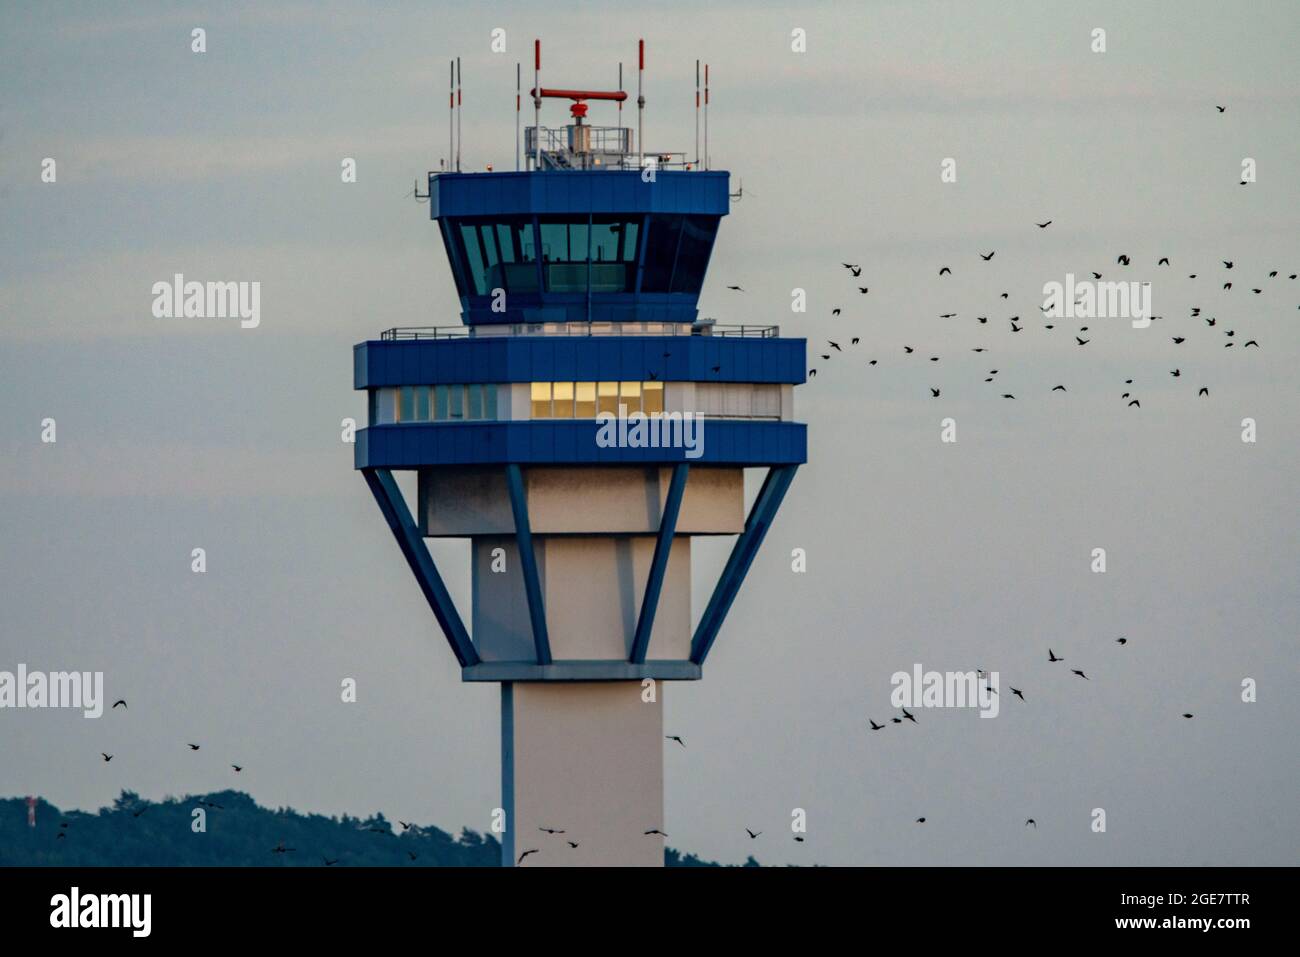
499, 359
569, 442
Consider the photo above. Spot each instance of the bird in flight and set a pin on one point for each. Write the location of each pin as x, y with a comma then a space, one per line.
1176, 373
834, 345
988, 257
1204, 391
531, 850
1121, 640
1082, 342
935, 393
864, 289
1051, 656
551, 830
120, 701
909, 716
1043, 225
328, 863
405, 826
1227, 264
945, 270
1076, 671
1017, 692
920, 820
735, 288
655, 830
673, 737
1221, 109
874, 726
237, 768
1164, 261
281, 849
1186, 715
572, 843
1059, 388
752, 834
1123, 260
835, 312
1135, 402
1007, 395
194, 747
1029, 821
1179, 340
412, 855
1249, 343
107, 757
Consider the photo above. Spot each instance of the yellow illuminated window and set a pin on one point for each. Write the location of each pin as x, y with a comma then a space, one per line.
541, 400
608, 397
563, 394
585, 393
653, 403
630, 396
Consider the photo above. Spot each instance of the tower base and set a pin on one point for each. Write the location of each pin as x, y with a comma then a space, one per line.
585, 758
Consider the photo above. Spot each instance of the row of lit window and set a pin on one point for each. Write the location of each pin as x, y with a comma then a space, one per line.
567, 400
586, 400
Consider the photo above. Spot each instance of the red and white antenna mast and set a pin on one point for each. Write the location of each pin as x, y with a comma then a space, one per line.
31, 812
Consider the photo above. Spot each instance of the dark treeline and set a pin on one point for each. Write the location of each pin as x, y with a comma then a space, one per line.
136, 833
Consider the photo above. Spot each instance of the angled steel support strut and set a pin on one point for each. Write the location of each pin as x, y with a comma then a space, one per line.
528, 560
654, 584
389, 496
742, 555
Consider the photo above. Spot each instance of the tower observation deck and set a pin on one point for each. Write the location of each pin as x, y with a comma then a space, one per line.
580, 427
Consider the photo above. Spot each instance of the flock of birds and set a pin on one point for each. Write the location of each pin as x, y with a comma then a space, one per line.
1052, 657
1083, 335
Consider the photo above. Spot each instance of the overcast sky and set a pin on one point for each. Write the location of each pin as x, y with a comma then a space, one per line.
176, 435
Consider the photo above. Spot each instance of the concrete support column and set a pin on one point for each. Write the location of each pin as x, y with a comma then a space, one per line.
586, 758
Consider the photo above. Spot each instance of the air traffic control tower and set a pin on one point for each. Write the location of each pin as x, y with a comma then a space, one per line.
579, 275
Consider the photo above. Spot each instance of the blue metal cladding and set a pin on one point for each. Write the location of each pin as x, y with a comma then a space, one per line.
569, 442
378, 364
578, 191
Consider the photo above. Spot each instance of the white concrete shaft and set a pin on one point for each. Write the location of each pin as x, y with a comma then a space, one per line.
586, 758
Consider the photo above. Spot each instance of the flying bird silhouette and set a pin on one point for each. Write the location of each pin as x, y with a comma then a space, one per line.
531, 850
988, 257
1043, 225
1051, 656
1018, 694
673, 737
1076, 671
119, 701
752, 834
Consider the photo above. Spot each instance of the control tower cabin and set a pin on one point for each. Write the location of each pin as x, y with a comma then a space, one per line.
581, 427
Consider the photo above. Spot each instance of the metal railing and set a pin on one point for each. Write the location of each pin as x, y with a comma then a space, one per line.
591, 147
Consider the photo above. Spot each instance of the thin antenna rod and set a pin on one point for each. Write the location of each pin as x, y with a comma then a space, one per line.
697, 112
451, 114
460, 106
640, 104
537, 104
518, 75
706, 116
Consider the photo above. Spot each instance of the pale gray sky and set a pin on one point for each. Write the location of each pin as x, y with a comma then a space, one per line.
177, 435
